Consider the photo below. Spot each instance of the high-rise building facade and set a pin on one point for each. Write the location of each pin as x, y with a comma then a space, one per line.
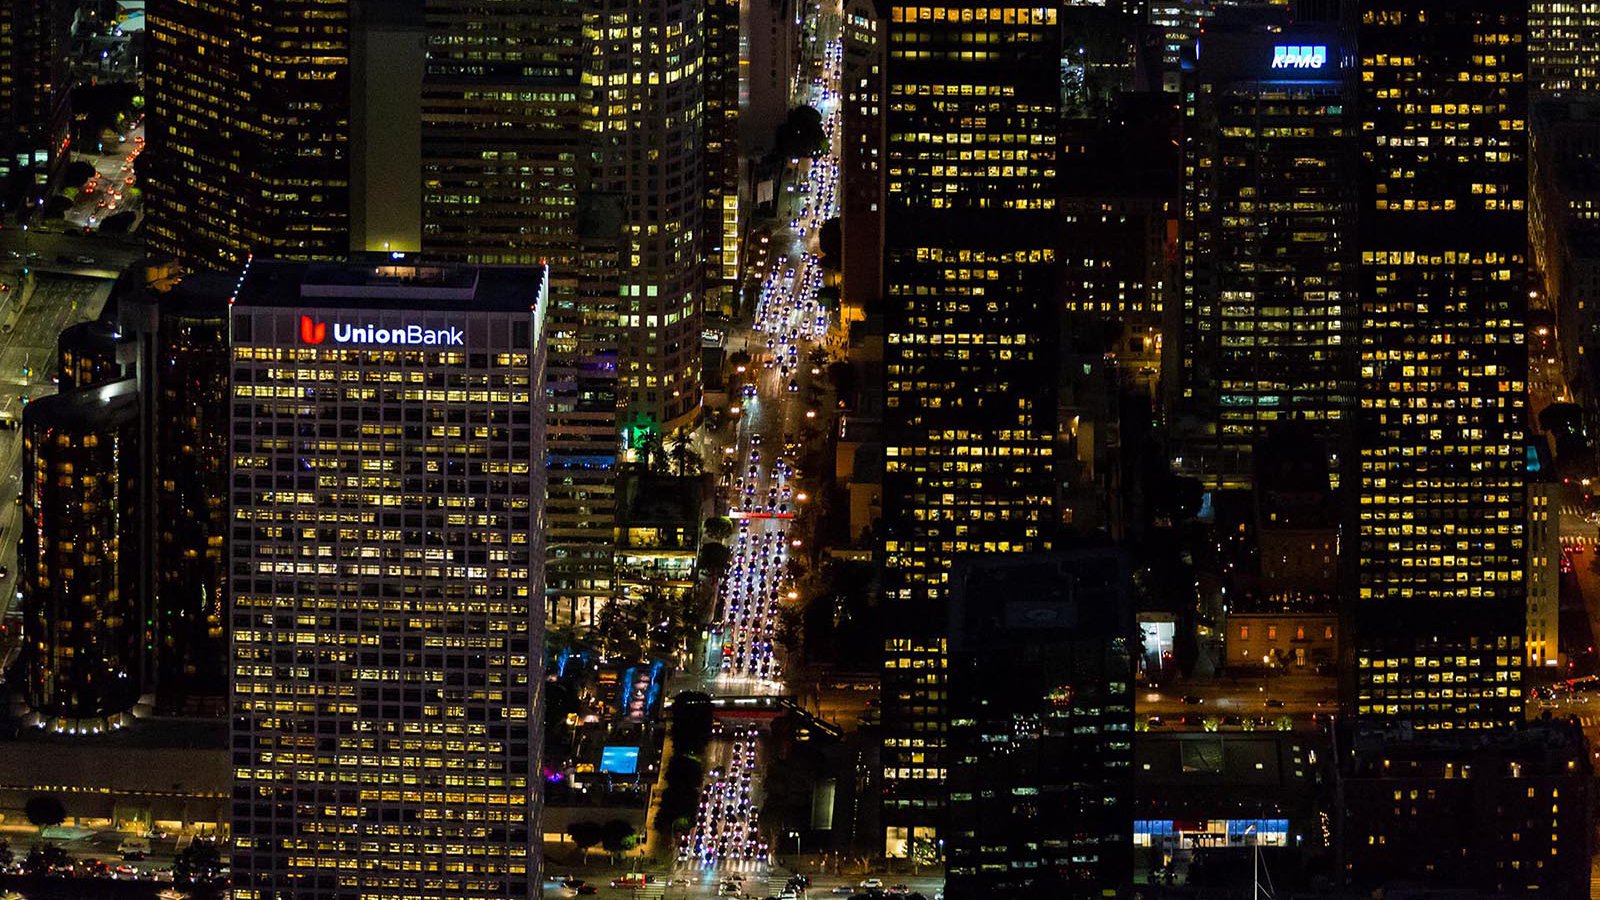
1562, 37
35, 94
861, 152
78, 564
719, 155
647, 95
970, 293
387, 498
248, 130
1041, 727
603, 180
188, 377
527, 195
1440, 529
1269, 250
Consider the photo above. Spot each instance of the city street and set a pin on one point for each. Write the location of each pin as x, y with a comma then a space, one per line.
774, 415
108, 192
1266, 700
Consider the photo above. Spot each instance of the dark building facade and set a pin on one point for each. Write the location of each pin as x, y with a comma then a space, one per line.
1041, 727
1439, 534
1509, 816
85, 656
862, 112
248, 124
35, 94
91, 353
188, 380
525, 195
1269, 309
970, 276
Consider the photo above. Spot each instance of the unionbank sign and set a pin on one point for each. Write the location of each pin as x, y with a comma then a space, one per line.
1285, 56
314, 332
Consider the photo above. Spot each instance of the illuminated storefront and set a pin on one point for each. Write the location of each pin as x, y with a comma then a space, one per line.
1168, 834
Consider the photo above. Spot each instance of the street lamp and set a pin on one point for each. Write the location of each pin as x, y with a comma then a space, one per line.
796, 836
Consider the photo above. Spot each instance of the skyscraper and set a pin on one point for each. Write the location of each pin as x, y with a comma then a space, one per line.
1268, 247
248, 125
78, 563
719, 154
646, 91
602, 179
188, 379
1438, 610
1041, 735
970, 284
861, 152
525, 195
388, 494
35, 93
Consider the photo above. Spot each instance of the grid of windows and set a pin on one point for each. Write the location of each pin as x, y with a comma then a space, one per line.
249, 124
386, 554
970, 151
1439, 615
1270, 307
1562, 35
520, 197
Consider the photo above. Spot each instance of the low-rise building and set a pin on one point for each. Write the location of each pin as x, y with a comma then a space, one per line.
1289, 641
1508, 814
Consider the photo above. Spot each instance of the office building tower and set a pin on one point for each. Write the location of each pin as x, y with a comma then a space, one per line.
1172, 30
771, 31
1269, 309
387, 498
970, 283
861, 115
582, 440
1562, 37
524, 195
248, 126
35, 95
188, 379
719, 155
646, 90
1041, 727
1296, 525
78, 567
1440, 535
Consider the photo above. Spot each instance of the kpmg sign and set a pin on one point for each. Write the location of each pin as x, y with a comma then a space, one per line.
1289, 56
314, 332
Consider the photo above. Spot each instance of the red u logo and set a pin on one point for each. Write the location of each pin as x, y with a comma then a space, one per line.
312, 332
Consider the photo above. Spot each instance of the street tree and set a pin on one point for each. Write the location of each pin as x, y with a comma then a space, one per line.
44, 811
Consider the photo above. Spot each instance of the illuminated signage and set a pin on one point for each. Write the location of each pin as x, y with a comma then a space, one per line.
1286, 56
314, 332
619, 760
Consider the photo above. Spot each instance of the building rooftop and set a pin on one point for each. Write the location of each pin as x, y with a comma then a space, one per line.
388, 281
82, 406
